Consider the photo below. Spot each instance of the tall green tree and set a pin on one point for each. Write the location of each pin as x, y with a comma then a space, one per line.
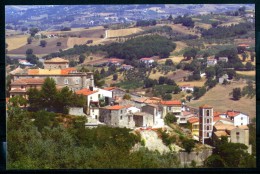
48, 92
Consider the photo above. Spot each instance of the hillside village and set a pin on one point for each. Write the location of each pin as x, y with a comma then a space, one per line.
155, 92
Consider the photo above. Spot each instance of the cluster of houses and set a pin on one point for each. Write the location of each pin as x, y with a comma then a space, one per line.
209, 126
108, 106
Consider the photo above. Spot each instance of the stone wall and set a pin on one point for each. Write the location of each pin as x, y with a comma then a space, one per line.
199, 157
78, 111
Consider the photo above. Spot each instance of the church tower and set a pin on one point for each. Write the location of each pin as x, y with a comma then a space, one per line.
205, 122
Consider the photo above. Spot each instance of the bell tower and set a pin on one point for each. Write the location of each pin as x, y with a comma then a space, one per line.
205, 122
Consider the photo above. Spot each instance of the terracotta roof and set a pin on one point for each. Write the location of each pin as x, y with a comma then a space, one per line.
206, 106
85, 92
216, 114
17, 90
27, 81
115, 107
56, 60
149, 101
187, 85
224, 127
109, 88
193, 120
33, 71
185, 113
232, 113
67, 71
216, 119
220, 133
146, 58
171, 102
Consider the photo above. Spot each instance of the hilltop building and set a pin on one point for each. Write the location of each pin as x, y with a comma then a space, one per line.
56, 63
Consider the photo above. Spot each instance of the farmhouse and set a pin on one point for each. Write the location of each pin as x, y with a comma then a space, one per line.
56, 63
187, 87
211, 61
147, 61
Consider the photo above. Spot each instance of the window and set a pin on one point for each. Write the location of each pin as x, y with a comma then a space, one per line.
237, 133
98, 95
96, 116
121, 117
241, 123
169, 108
207, 112
207, 127
241, 118
77, 81
121, 111
66, 81
22, 87
207, 120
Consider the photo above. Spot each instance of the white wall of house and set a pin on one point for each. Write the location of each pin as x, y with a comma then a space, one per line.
241, 119
94, 112
133, 110
104, 93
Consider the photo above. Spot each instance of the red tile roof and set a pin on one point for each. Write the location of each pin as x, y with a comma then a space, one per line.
109, 88
232, 113
216, 114
85, 92
243, 45
27, 81
115, 107
33, 71
146, 58
171, 102
67, 71
206, 106
193, 120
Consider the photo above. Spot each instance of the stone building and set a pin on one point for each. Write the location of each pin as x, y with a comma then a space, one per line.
56, 63
20, 86
63, 77
116, 116
143, 119
235, 134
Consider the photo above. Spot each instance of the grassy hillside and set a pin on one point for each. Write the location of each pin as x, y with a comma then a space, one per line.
15, 42
37, 49
220, 100
123, 32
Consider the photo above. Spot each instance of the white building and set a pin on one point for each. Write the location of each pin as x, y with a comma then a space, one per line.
211, 61
147, 61
187, 87
238, 118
